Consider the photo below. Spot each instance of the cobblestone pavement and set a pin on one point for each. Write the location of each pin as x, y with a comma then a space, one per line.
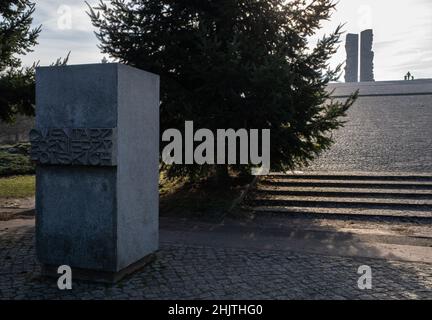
383, 134
196, 272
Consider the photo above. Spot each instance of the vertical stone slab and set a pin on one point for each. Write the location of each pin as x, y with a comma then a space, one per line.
96, 145
366, 56
352, 57
138, 165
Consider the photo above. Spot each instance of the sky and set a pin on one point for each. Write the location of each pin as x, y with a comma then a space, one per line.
402, 34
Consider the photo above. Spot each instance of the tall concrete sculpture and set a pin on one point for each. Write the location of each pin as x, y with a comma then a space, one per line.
366, 56
96, 145
352, 57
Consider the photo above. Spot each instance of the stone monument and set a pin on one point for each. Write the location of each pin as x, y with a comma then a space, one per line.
96, 145
366, 56
352, 57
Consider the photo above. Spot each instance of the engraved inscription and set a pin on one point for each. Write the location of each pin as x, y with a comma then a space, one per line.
73, 146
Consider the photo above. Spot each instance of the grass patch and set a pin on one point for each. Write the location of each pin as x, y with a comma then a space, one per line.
17, 187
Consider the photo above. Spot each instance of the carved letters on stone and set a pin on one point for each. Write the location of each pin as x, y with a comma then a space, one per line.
74, 146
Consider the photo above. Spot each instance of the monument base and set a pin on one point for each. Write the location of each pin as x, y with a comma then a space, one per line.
100, 276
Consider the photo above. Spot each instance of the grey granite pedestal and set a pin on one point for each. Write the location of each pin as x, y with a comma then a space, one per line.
96, 145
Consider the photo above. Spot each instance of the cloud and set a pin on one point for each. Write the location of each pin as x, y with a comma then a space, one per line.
65, 27
402, 33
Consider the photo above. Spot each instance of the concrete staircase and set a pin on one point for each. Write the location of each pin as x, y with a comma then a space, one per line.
344, 195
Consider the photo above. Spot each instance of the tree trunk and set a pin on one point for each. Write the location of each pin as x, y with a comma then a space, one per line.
222, 175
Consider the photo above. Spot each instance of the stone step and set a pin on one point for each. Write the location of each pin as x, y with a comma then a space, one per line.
369, 184
328, 202
344, 213
355, 176
345, 192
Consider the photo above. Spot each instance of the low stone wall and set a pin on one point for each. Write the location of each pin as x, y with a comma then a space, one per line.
383, 88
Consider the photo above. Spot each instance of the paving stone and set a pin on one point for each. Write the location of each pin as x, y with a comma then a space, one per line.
197, 272
384, 133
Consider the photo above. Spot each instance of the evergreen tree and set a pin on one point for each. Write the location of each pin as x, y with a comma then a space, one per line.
234, 64
16, 37
17, 83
